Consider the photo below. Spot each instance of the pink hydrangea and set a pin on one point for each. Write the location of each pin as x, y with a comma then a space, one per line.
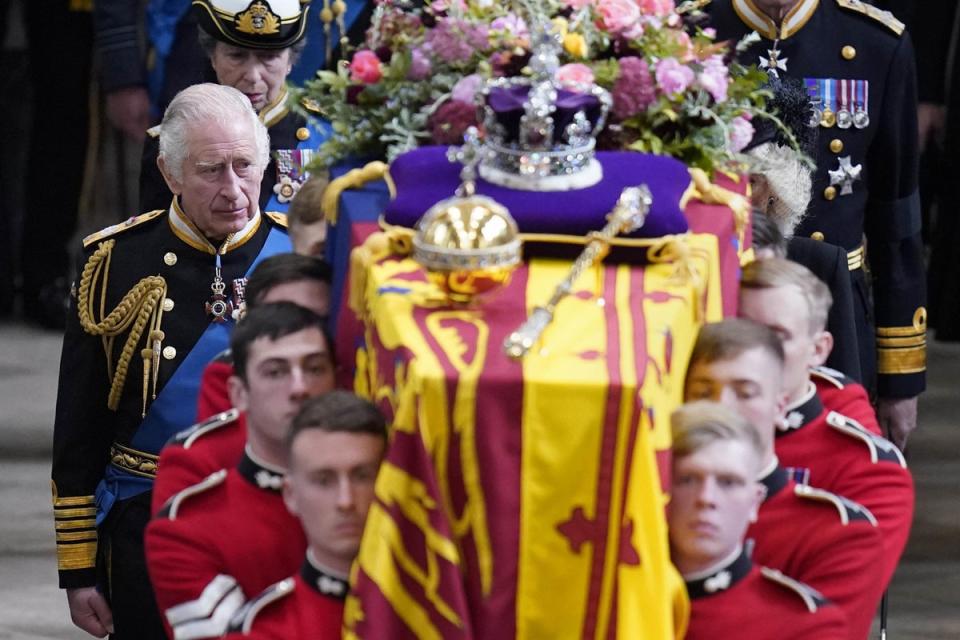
634, 89
466, 88
575, 76
420, 66
673, 77
660, 8
620, 17
714, 78
365, 67
739, 134
454, 40
513, 25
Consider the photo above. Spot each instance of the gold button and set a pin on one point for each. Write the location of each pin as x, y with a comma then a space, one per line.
170, 258
303, 133
168, 304
836, 145
848, 52
169, 353
830, 193
817, 235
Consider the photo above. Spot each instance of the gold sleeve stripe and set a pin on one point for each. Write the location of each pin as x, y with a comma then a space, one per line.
76, 556
912, 341
64, 525
75, 513
75, 501
899, 332
894, 361
87, 535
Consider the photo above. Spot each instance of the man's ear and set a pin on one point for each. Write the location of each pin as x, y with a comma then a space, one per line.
175, 186
822, 346
237, 391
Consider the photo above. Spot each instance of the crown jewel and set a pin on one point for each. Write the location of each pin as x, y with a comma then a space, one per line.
540, 136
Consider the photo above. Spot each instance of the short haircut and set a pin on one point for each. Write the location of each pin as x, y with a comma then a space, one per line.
274, 321
281, 269
698, 424
337, 412
732, 337
200, 104
209, 44
767, 235
307, 206
780, 272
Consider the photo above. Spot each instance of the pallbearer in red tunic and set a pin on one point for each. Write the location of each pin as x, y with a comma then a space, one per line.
715, 495
335, 446
815, 536
829, 449
217, 441
205, 549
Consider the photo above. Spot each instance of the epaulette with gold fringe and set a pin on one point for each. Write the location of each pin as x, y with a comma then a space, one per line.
114, 229
278, 218
173, 505
885, 18
812, 599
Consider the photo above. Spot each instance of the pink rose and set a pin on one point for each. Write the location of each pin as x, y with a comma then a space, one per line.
740, 133
714, 78
575, 77
710, 32
660, 8
620, 17
672, 76
466, 88
365, 67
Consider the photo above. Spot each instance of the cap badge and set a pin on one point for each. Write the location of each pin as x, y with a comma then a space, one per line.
258, 19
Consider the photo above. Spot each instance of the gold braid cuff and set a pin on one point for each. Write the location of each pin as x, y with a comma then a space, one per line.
140, 311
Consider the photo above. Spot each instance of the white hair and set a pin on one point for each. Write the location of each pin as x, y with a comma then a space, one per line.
203, 103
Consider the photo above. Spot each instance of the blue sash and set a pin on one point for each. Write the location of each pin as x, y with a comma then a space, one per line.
162, 17
176, 404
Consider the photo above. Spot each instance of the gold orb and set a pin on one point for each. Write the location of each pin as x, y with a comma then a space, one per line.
468, 245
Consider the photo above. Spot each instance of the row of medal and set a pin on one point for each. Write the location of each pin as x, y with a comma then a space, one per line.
840, 103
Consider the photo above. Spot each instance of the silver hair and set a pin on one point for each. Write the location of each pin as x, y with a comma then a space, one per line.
209, 45
203, 103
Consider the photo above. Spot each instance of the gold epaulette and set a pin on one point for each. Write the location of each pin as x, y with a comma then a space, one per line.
173, 504
75, 521
848, 510
812, 598
154, 132
903, 350
278, 218
129, 223
885, 18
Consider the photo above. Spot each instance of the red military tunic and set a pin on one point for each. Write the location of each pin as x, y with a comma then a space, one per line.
823, 540
742, 600
308, 605
193, 454
205, 549
839, 455
214, 397
845, 396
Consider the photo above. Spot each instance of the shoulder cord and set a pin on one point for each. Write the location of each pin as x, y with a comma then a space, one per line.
139, 310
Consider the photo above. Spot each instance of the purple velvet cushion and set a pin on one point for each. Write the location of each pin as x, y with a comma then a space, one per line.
424, 177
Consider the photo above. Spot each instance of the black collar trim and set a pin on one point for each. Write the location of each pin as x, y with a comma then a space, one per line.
775, 481
259, 474
803, 413
722, 579
323, 581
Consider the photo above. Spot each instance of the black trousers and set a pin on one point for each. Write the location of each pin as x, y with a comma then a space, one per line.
123, 570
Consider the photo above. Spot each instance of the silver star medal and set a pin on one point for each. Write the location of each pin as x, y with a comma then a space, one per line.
773, 63
845, 175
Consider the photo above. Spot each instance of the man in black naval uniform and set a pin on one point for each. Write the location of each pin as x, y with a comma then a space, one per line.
857, 64
153, 303
249, 53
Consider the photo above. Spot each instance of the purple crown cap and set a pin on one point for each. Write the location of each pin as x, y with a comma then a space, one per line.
509, 105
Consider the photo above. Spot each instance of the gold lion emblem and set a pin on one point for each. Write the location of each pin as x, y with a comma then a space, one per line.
258, 19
